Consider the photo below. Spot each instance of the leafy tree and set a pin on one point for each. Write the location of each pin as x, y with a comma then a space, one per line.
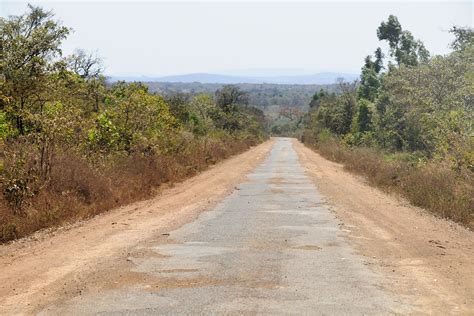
316, 100
418, 105
202, 108
403, 46
390, 31
138, 117
364, 117
178, 103
229, 97
55, 126
369, 80
378, 64
336, 111
464, 38
28, 43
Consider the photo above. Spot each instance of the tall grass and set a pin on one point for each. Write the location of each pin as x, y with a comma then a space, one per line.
431, 185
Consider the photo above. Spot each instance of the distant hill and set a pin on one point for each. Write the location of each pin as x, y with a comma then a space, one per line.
319, 78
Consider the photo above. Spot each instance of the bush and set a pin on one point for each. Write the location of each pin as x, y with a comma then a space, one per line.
8, 232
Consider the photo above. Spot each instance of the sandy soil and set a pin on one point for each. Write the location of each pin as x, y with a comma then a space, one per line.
426, 258
48, 266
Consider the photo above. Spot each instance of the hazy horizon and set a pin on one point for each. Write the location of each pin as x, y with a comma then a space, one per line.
155, 38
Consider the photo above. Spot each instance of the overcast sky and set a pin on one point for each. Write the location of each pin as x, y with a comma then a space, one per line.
163, 38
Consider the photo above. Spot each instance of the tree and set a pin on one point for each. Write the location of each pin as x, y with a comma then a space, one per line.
87, 65
378, 64
28, 45
391, 32
178, 103
133, 119
428, 108
316, 100
348, 104
369, 80
335, 112
464, 38
364, 117
290, 113
403, 46
229, 97
202, 107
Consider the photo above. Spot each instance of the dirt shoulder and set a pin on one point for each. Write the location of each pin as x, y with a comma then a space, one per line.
38, 270
428, 260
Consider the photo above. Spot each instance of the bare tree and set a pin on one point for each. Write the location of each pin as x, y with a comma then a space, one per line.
86, 65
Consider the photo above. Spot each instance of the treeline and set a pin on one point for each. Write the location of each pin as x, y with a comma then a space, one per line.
408, 124
260, 95
72, 145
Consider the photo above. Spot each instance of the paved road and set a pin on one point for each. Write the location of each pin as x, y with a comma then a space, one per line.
272, 246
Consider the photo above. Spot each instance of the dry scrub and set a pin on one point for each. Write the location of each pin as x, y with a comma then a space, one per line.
432, 186
78, 190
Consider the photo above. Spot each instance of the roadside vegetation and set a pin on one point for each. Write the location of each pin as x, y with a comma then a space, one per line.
72, 145
261, 95
284, 105
408, 125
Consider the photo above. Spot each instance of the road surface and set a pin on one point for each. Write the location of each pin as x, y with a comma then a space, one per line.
271, 244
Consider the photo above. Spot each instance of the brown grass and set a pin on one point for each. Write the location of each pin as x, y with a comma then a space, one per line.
78, 190
432, 186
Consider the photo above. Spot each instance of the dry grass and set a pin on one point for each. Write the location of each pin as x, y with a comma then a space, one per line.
432, 186
78, 190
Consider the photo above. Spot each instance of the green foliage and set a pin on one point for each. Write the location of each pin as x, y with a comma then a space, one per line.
369, 79
202, 107
6, 130
336, 112
390, 31
28, 44
364, 120
423, 106
317, 97
139, 119
103, 136
262, 96
464, 38
229, 97
403, 46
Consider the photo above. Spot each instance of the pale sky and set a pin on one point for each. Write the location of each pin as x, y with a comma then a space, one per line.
164, 38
